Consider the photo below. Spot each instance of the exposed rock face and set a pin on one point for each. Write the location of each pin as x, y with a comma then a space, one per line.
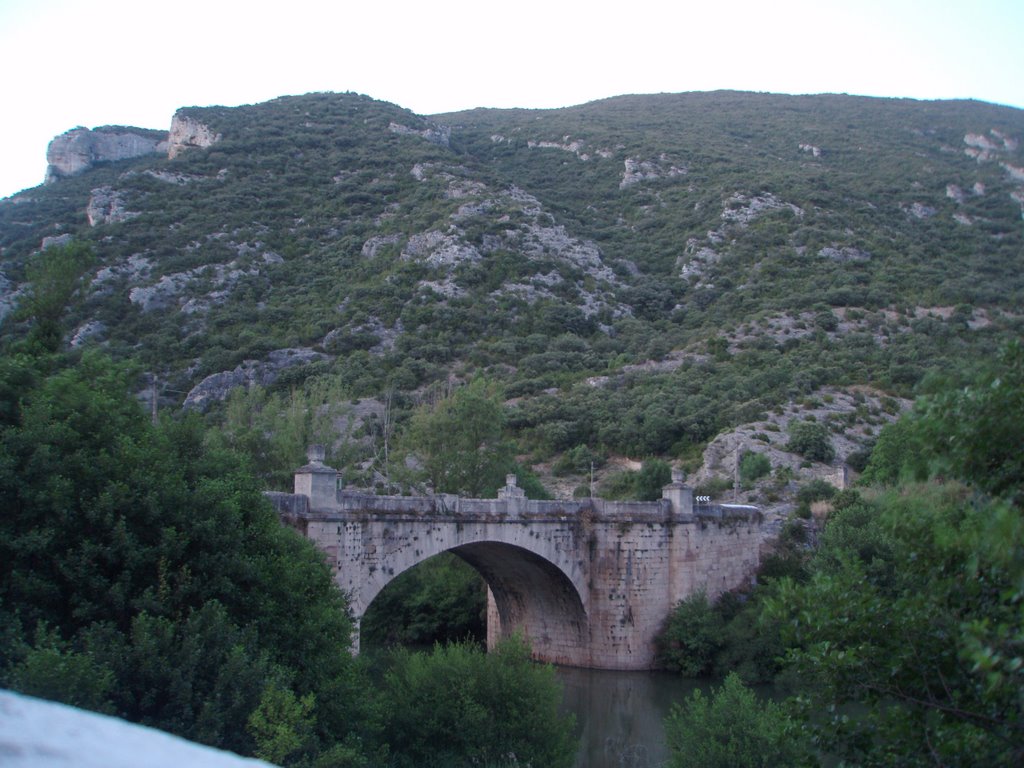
171, 290
738, 211
742, 209
844, 254
435, 134
439, 249
91, 330
9, 294
567, 144
188, 133
637, 170
920, 210
106, 206
54, 241
374, 245
218, 386
79, 149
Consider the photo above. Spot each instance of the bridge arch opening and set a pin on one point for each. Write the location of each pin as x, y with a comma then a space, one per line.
440, 599
531, 595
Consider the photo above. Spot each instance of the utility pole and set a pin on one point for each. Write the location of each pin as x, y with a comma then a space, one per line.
736, 475
152, 397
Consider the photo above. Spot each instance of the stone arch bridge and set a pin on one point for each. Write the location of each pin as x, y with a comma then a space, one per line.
589, 582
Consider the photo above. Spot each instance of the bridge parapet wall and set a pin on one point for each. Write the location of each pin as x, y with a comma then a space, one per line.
295, 505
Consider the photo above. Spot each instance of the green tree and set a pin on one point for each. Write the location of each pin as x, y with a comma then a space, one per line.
972, 433
281, 725
459, 706
48, 669
975, 433
732, 728
753, 466
654, 475
461, 442
913, 613
274, 429
55, 279
811, 440
691, 636
152, 556
897, 454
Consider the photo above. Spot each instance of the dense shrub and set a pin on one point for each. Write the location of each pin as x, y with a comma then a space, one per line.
458, 706
753, 466
811, 440
691, 636
733, 728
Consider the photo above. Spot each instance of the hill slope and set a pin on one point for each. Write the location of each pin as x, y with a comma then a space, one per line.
638, 273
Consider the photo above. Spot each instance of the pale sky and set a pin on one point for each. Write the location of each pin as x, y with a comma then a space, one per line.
65, 63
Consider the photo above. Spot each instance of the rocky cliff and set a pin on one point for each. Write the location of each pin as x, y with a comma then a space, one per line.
187, 132
79, 149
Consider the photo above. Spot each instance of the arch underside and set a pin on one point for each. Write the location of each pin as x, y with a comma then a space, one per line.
533, 596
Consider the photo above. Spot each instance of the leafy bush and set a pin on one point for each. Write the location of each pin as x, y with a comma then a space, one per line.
691, 636
732, 728
815, 490
914, 599
441, 600
811, 440
753, 466
458, 706
577, 461
161, 583
654, 475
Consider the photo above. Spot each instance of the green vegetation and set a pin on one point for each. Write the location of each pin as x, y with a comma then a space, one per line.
645, 485
508, 299
811, 440
55, 279
901, 632
753, 466
142, 574
459, 706
322, 227
732, 728
441, 600
461, 442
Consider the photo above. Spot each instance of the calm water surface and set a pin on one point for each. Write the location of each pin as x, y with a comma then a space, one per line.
620, 716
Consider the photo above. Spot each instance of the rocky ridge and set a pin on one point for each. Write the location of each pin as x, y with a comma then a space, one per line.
188, 133
79, 149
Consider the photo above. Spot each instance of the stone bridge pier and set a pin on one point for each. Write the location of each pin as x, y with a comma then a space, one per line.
588, 582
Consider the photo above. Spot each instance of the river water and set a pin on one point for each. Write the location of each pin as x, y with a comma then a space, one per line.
620, 716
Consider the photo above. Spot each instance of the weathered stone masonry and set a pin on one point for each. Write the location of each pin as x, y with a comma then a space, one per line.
589, 582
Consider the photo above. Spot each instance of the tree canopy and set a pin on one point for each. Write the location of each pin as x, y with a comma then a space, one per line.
142, 572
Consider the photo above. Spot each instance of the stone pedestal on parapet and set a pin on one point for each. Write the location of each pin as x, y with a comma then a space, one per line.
512, 494
679, 495
318, 481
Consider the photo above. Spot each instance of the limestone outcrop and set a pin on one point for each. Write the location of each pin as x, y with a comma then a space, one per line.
107, 206
218, 386
188, 133
435, 134
80, 149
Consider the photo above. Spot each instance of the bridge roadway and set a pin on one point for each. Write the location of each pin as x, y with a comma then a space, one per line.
589, 582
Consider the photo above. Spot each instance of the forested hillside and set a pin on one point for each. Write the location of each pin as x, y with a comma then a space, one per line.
750, 287
630, 277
